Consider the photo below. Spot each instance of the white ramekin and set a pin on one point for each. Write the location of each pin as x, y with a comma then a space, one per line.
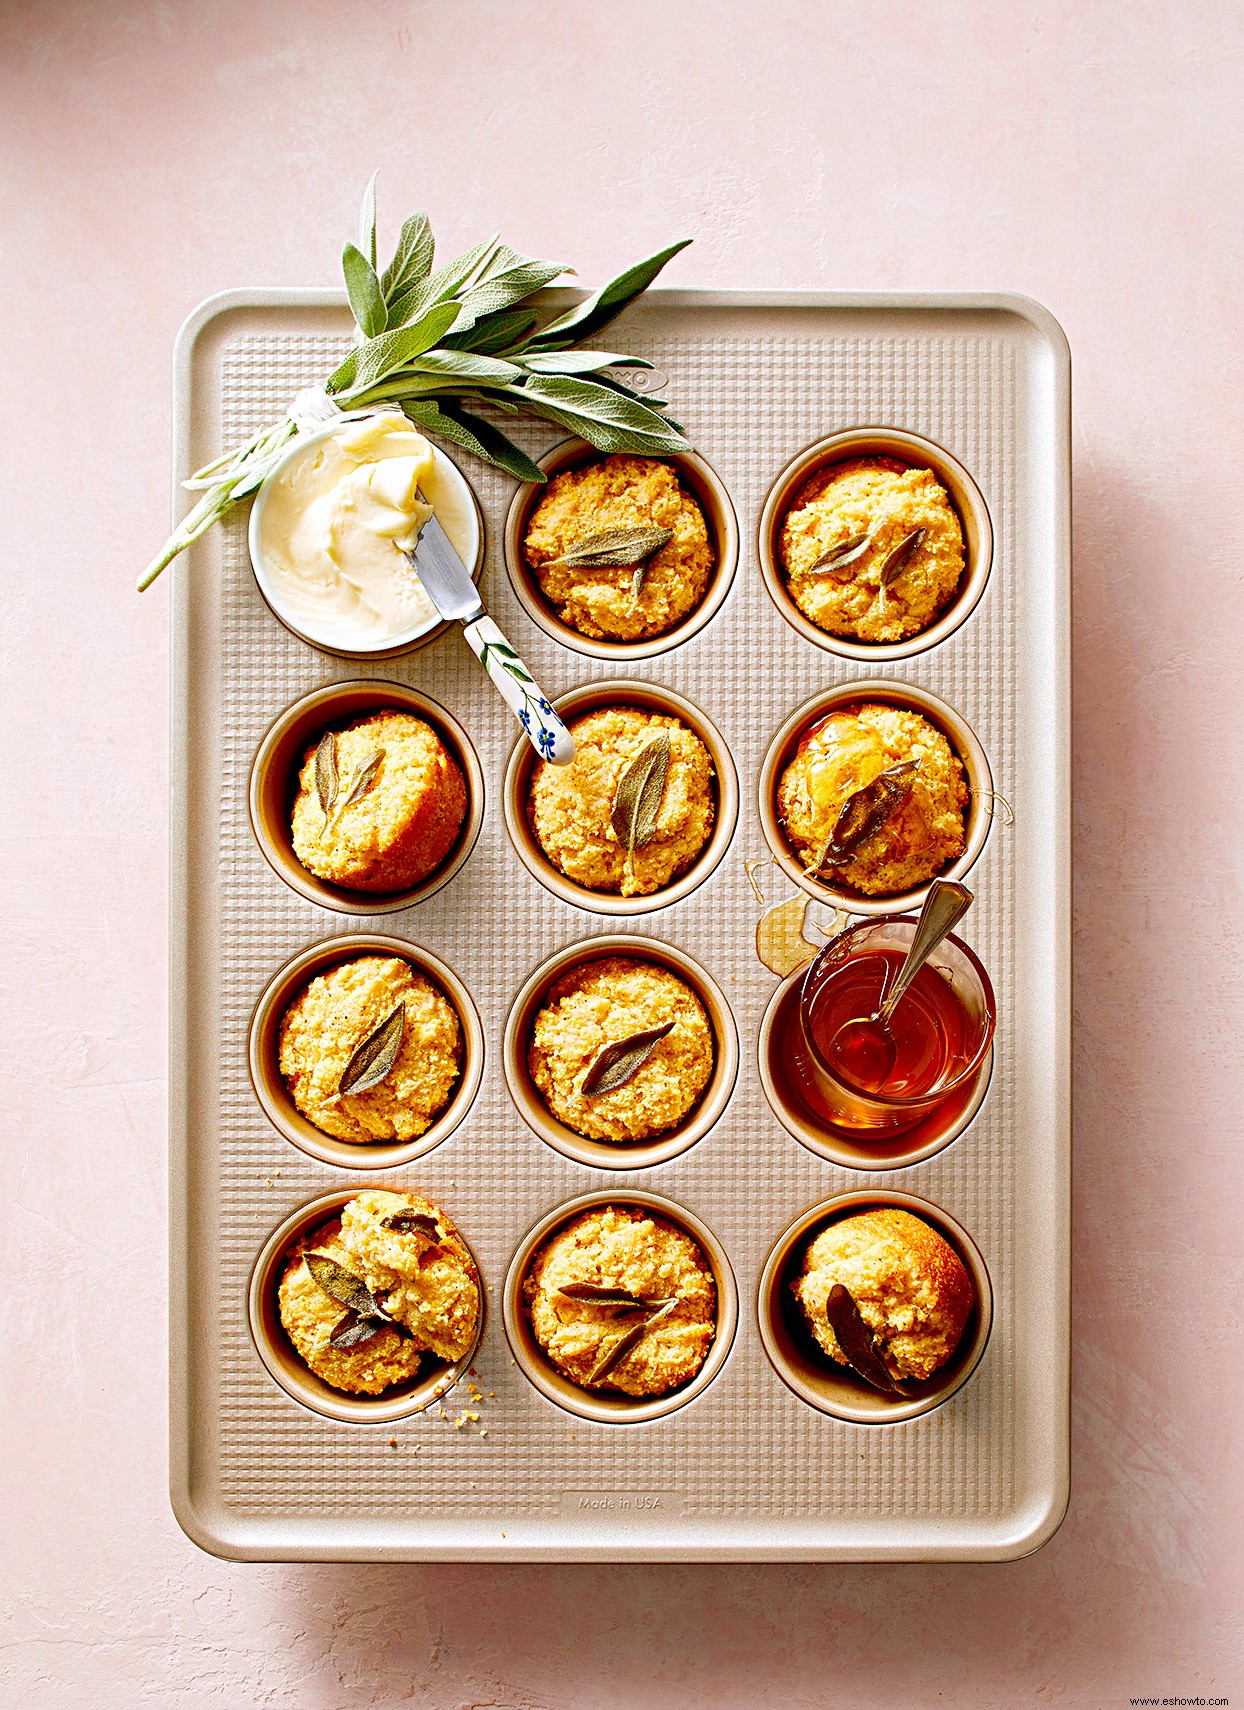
405, 640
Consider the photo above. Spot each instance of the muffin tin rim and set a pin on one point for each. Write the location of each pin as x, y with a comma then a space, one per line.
872, 441
393, 650
635, 1155
624, 691
382, 694
725, 536
964, 743
885, 1411
562, 1391
344, 1407
262, 1042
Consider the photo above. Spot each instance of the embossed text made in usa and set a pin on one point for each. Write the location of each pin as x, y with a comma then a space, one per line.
622, 1502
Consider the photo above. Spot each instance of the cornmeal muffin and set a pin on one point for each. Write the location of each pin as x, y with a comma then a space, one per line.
569, 808
653, 1338
886, 501
407, 813
605, 1002
409, 1257
332, 1016
622, 491
846, 752
909, 1284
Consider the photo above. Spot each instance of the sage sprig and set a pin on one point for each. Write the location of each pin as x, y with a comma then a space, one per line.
430, 340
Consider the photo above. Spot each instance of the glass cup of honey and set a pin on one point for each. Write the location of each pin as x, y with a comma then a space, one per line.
882, 1080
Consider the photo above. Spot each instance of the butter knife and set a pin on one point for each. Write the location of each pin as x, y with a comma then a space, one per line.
451, 590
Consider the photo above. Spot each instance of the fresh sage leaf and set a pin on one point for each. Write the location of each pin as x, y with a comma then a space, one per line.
609, 547
363, 290
621, 1062
592, 315
897, 559
374, 1058
349, 1331
343, 1286
637, 797
865, 811
412, 260
367, 222
500, 290
412, 1223
376, 360
364, 776
578, 361
472, 433
840, 557
326, 779
856, 1341
617, 1350
495, 335
463, 365
606, 418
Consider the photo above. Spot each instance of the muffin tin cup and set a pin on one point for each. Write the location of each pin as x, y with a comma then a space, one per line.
263, 1048
287, 1368
610, 1154
931, 1135
910, 448
964, 744
806, 1369
705, 486
447, 469
604, 1407
651, 697
274, 786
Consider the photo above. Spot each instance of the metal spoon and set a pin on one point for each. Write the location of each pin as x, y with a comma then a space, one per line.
867, 1040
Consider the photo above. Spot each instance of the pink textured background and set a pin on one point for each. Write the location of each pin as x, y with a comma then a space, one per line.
1087, 154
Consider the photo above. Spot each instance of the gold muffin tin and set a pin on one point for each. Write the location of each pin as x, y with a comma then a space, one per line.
761, 1454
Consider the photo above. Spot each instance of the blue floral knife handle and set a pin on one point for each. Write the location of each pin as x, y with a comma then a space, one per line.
519, 689
448, 585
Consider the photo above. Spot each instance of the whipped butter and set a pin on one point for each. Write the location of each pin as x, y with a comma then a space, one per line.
338, 518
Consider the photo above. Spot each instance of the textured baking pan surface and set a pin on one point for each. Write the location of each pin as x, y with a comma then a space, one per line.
746, 1469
